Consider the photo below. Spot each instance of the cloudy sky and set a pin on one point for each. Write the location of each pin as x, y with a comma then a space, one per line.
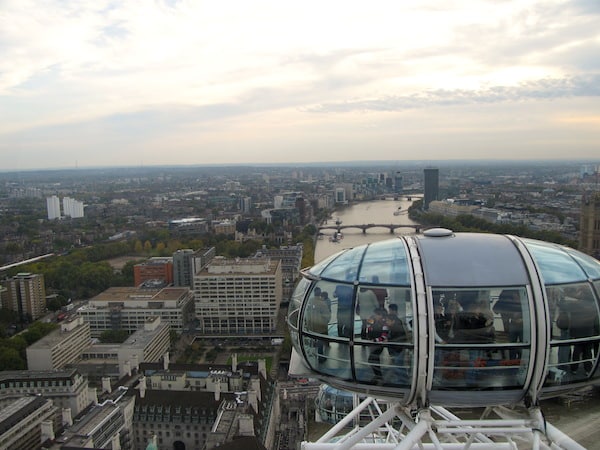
131, 82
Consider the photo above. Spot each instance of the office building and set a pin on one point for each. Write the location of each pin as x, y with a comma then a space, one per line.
187, 262
25, 294
26, 422
53, 206
431, 186
60, 347
238, 296
589, 227
127, 308
158, 269
291, 262
66, 388
114, 360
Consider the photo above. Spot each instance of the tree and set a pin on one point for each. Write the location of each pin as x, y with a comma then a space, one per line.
113, 336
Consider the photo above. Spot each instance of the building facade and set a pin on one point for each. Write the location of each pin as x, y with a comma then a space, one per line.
60, 347
127, 308
187, 262
291, 262
26, 422
589, 227
238, 296
25, 294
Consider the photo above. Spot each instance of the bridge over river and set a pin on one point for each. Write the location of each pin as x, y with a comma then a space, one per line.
391, 226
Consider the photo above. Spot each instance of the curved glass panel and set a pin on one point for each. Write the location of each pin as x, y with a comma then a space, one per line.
345, 266
385, 262
575, 328
318, 268
296, 302
556, 265
589, 264
482, 337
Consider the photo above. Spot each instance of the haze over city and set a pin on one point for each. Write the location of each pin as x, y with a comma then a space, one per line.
98, 83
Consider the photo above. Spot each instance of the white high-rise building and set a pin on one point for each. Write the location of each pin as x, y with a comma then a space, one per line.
72, 208
53, 205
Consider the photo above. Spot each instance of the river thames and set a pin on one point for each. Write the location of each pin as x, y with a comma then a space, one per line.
577, 416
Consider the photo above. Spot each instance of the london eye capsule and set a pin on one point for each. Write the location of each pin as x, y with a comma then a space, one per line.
454, 319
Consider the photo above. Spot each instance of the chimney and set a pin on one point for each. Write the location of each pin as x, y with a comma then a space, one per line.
115, 442
262, 368
47, 431
93, 395
142, 387
255, 386
67, 418
217, 391
252, 401
127, 368
233, 362
166, 361
135, 362
106, 387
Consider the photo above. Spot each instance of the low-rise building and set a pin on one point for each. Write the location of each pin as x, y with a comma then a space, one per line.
148, 344
26, 422
60, 347
66, 388
127, 308
158, 268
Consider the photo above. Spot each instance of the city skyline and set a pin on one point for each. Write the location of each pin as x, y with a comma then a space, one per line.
92, 84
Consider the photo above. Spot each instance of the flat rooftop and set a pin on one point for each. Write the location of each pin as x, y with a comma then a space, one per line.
121, 294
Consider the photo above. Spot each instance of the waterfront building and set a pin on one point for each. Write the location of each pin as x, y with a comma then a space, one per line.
60, 347
189, 406
430, 186
67, 388
26, 422
25, 294
127, 308
53, 207
157, 268
238, 296
589, 228
398, 183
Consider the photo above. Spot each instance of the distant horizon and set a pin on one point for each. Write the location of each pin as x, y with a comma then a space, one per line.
357, 163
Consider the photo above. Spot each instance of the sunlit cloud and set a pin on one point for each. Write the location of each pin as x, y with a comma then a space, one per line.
137, 77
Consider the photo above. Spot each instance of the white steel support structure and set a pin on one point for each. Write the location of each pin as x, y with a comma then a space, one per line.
397, 427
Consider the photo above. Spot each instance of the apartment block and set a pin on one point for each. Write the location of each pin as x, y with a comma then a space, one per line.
26, 294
